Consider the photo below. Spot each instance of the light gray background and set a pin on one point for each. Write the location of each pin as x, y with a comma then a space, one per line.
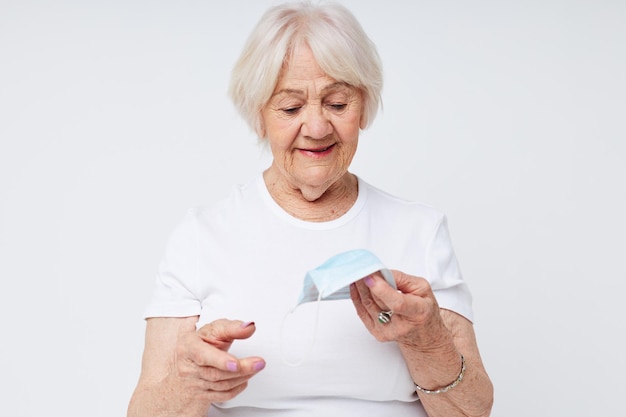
508, 116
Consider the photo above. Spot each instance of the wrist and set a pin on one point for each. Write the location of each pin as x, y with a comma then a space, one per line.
434, 368
444, 388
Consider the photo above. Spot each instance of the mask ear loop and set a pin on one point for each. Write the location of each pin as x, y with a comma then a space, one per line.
310, 347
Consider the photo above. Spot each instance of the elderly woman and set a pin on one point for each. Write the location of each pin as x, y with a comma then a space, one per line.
307, 82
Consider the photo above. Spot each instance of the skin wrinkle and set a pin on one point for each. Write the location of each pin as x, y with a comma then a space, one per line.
312, 123
325, 91
313, 142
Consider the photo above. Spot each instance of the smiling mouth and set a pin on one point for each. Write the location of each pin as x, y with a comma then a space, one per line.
320, 150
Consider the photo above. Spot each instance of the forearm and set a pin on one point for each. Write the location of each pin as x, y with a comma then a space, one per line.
473, 396
439, 365
159, 400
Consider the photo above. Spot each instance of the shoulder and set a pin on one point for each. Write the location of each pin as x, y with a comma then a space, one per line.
380, 200
242, 198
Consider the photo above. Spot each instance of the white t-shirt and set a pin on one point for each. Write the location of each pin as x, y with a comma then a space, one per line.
245, 258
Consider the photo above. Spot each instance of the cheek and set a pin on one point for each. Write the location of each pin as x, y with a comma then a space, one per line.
351, 141
275, 130
350, 152
281, 135
349, 130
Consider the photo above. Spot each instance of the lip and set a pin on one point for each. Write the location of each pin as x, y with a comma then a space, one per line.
318, 152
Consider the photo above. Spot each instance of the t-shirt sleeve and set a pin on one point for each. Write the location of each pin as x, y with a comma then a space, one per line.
177, 275
445, 277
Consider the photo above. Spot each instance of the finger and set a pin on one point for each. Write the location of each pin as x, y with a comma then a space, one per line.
219, 390
221, 380
408, 284
192, 353
362, 312
221, 396
365, 295
221, 333
383, 295
423, 299
208, 346
370, 306
368, 311
226, 385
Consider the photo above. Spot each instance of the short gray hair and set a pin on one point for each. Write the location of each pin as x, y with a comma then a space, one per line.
337, 40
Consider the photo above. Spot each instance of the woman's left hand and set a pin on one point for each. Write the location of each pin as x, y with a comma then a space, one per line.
415, 321
430, 339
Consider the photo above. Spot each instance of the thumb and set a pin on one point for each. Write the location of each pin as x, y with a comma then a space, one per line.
222, 332
408, 284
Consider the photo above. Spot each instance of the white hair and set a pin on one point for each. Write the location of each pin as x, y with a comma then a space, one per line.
339, 44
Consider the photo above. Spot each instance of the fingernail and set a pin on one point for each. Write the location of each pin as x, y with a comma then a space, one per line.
247, 323
258, 365
369, 281
231, 366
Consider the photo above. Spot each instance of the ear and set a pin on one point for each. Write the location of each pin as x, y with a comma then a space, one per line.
260, 128
363, 121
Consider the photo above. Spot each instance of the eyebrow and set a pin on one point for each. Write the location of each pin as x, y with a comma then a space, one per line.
329, 87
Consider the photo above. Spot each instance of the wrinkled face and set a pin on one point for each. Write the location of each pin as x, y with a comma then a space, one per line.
312, 123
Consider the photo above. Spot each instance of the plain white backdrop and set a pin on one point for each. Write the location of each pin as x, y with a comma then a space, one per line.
509, 116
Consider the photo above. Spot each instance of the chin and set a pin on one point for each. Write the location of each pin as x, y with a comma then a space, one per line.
320, 183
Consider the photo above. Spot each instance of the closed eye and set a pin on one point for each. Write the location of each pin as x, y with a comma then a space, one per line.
291, 110
337, 107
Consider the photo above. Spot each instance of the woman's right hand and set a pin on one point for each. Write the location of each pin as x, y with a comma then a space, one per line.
204, 368
184, 370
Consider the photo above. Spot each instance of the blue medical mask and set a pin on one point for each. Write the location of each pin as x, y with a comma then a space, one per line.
331, 280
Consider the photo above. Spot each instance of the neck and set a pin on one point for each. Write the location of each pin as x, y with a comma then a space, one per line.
314, 204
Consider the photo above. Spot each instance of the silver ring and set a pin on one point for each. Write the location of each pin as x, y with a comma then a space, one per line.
384, 317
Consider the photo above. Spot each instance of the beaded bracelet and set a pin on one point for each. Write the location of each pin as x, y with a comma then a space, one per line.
447, 387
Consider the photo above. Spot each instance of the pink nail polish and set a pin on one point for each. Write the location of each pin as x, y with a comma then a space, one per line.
258, 365
232, 366
246, 324
369, 281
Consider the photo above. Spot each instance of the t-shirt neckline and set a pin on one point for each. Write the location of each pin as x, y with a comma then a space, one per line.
279, 212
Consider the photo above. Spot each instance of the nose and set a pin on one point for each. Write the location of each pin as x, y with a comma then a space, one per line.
315, 123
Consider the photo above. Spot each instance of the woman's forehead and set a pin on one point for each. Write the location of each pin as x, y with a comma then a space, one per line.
301, 72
